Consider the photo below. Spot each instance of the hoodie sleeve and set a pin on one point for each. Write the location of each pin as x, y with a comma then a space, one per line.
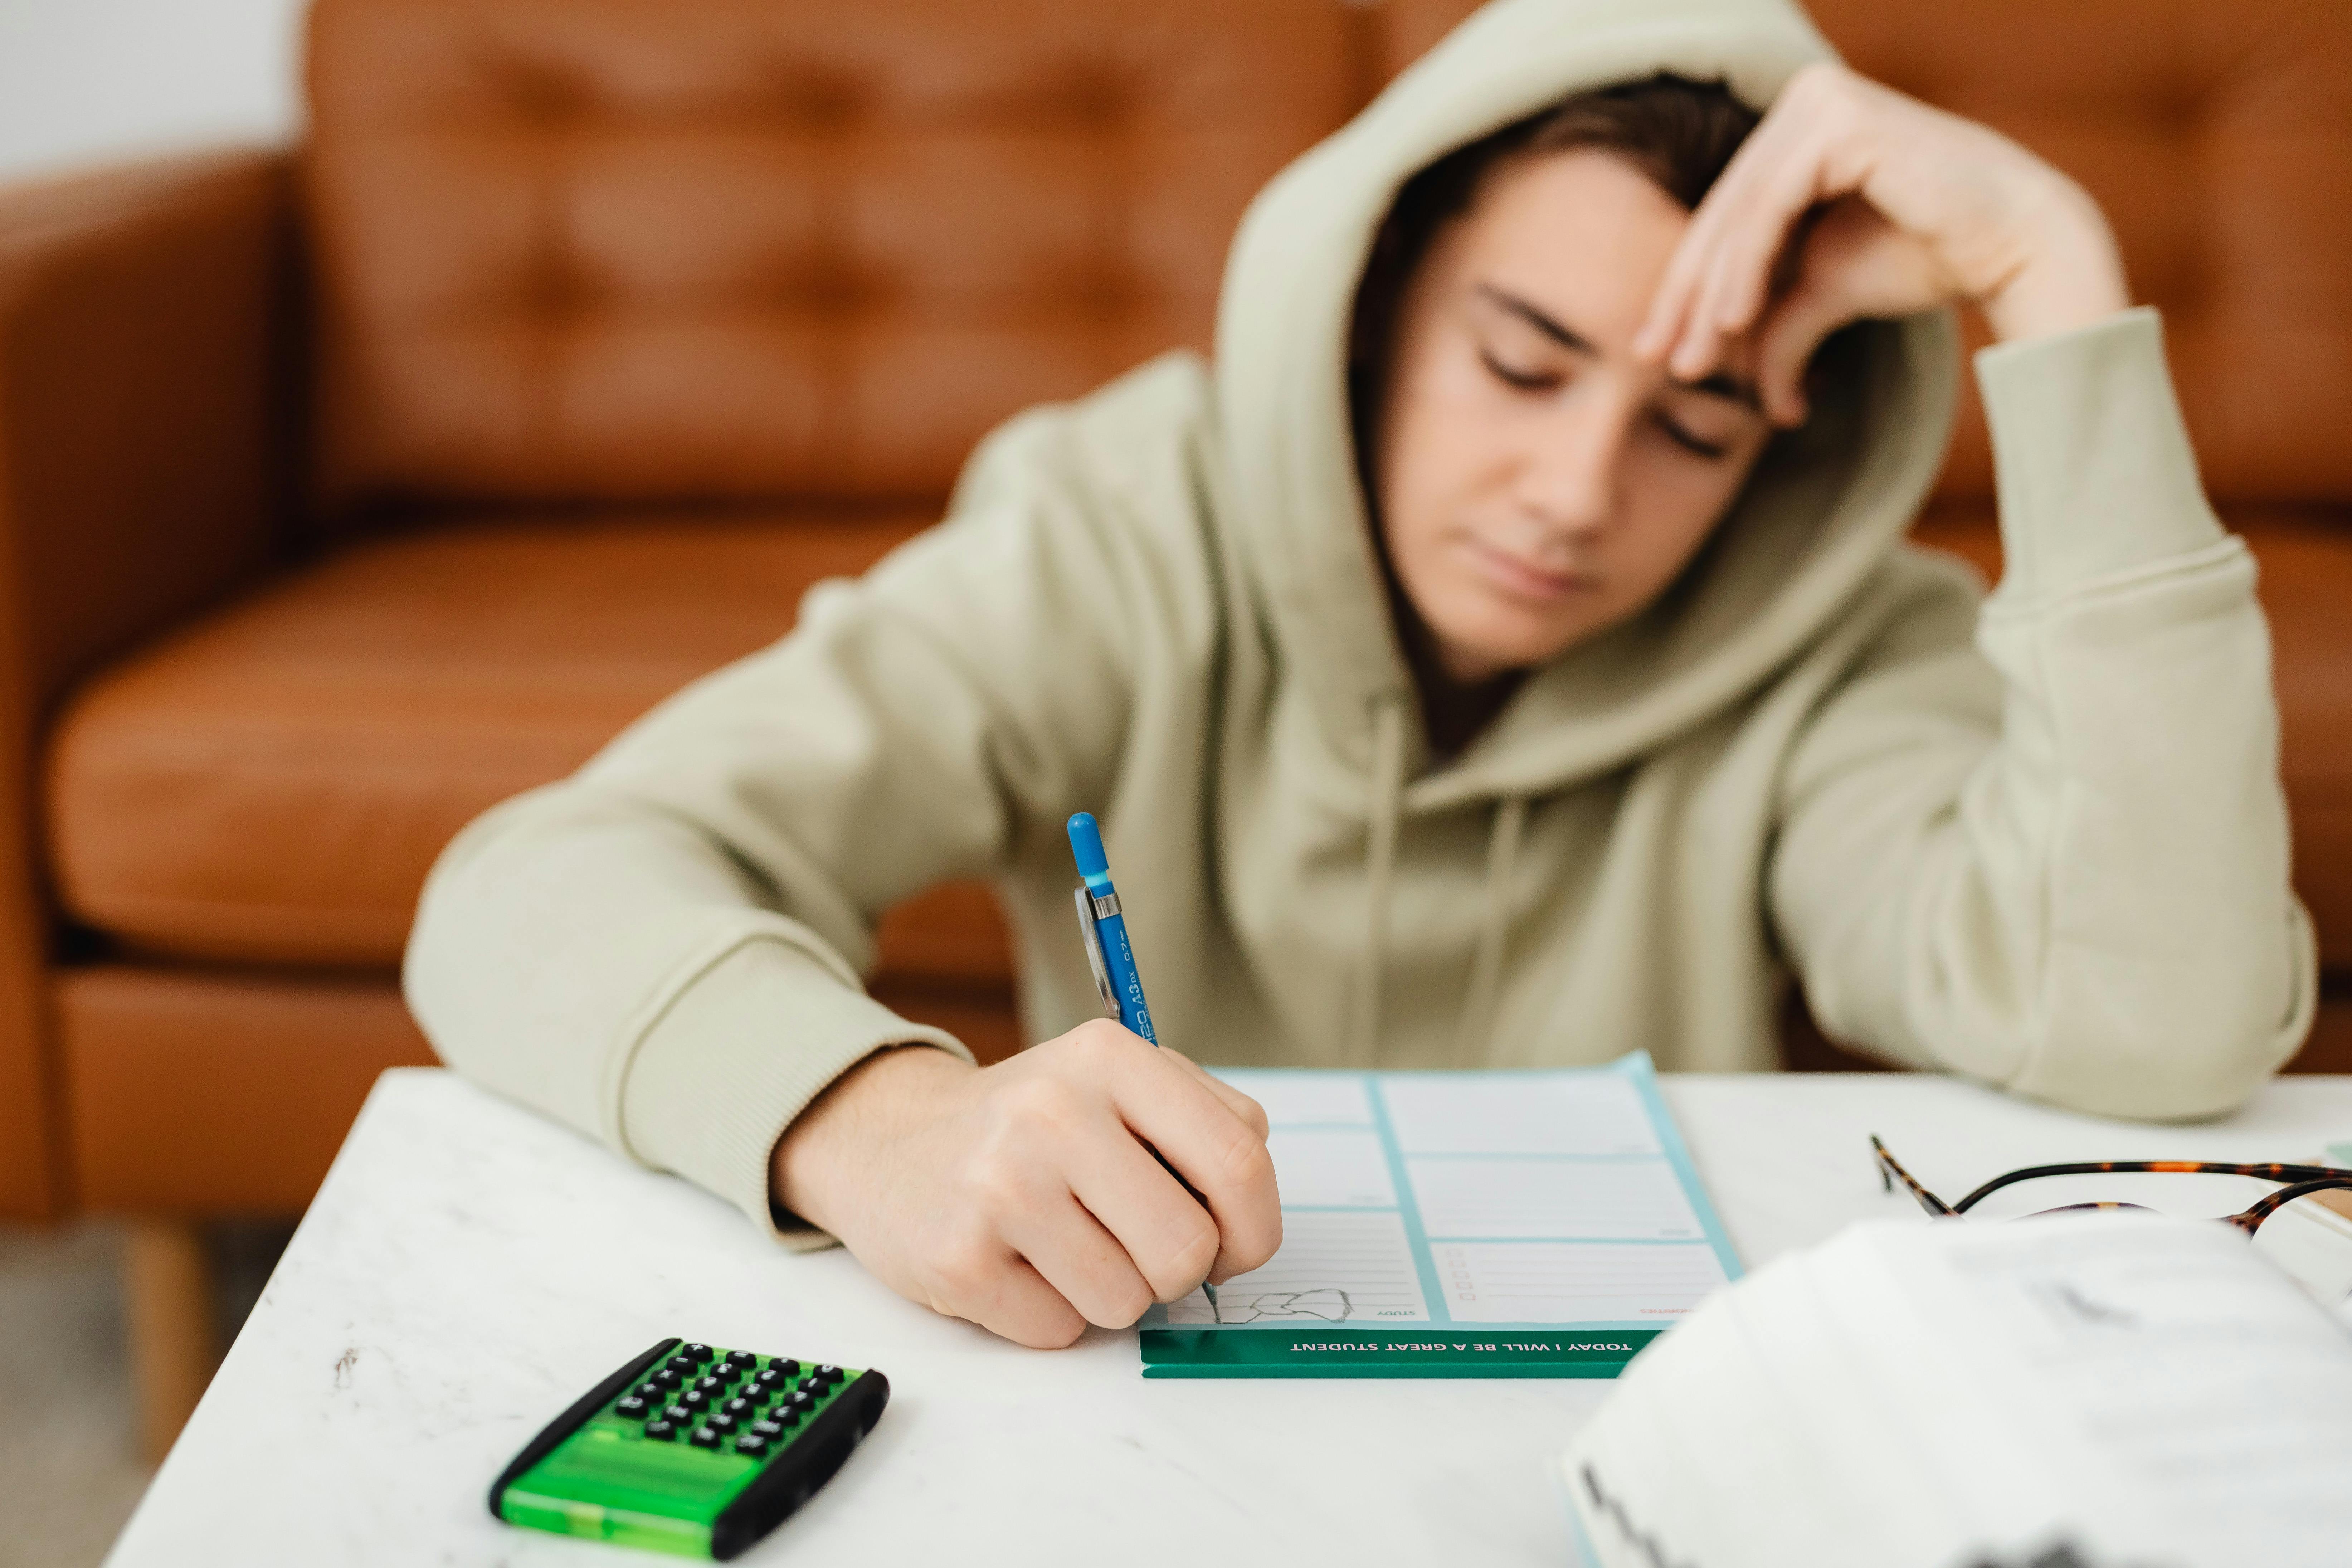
664, 949
2068, 877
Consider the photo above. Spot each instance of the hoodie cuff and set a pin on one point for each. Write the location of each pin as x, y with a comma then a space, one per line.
2095, 472
736, 1057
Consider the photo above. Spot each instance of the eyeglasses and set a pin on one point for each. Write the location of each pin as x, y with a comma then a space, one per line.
2305, 1226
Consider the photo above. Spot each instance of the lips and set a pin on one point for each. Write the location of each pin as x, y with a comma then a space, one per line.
1519, 578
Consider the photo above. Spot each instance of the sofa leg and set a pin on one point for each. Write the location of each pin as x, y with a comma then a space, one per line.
174, 1342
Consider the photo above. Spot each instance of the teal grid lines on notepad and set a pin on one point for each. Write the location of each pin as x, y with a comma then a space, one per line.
1408, 1204
1513, 1201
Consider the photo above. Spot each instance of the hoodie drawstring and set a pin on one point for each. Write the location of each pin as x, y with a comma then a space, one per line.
1387, 804
1484, 994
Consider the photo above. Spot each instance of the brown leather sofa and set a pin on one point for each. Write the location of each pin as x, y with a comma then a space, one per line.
346, 491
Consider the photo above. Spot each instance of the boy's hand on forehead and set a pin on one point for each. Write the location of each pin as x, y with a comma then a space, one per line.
1850, 201
1023, 1196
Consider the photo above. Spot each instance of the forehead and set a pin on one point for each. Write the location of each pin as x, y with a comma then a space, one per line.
1581, 224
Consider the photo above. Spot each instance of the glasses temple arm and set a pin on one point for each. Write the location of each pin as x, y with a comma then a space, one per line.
1888, 1164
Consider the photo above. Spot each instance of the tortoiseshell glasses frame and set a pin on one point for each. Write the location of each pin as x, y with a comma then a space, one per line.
2302, 1180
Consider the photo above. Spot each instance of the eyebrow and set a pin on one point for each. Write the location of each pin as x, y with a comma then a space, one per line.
1722, 384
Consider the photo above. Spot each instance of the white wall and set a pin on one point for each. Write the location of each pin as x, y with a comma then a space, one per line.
87, 81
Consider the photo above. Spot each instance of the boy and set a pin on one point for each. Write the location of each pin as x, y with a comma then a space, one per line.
1507, 656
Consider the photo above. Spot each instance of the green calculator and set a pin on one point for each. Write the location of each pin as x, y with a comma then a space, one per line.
691, 1449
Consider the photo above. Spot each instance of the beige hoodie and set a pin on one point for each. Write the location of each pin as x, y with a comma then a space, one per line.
2039, 842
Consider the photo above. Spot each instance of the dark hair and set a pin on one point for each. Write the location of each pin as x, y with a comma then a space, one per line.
1678, 131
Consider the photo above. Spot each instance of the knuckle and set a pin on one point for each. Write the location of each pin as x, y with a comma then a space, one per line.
1819, 80
1247, 1256
1094, 1042
1060, 1331
1244, 1161
961, 1267
1253, 1114
1186, 1264
1121, 1306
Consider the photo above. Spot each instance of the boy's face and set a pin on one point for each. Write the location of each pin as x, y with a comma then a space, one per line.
1536, 484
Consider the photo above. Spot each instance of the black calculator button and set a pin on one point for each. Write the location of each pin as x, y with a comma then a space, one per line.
679, 1415
740, 1407
771, 1379
770, 1428
704, 1437
741, 1361
668, 1377
720, 1421
752, 1443
661, 1430
710, 1385
631, 1406
651, 1390
698, 1351
695, 1399
683, 1364
785, 1367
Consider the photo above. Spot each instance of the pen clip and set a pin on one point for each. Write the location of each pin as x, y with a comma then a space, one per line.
1093, 940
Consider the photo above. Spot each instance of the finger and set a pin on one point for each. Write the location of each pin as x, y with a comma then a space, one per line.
1785, 349
1854, 264
1072, 1251
1222, 1155
1002, 1293
1162, 1232
1239, 1104
1674, 307
1808, 167
1743, 261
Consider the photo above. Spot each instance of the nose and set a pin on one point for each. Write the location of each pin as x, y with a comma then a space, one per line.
1571, 479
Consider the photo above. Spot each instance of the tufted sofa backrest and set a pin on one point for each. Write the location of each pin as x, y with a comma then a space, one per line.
2217, 136
739, 249
628, 249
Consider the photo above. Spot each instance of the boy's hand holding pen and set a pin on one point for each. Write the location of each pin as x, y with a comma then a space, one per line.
1074, 1183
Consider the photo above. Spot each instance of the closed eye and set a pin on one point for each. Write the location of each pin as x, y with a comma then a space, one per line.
1524, 380
1689, 442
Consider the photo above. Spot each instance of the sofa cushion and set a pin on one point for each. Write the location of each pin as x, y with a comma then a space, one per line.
272, 783
354, 716
751, 249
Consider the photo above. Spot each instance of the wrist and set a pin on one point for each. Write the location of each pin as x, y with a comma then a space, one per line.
811, 1171
2069, 275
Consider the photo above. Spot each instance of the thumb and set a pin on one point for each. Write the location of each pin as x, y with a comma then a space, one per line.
1804, 316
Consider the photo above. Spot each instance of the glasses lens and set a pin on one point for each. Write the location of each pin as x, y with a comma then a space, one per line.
2189, 1194
2311, 1238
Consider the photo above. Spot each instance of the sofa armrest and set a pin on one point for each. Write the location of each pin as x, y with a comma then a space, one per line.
146, 330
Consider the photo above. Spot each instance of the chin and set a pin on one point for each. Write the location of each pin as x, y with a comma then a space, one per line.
1502, 647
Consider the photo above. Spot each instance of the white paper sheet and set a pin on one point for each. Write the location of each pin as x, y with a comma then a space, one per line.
1524, 1200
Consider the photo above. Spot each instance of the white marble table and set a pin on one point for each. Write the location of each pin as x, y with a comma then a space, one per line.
469, 1269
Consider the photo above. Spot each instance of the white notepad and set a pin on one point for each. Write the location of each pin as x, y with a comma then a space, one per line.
1544, 1224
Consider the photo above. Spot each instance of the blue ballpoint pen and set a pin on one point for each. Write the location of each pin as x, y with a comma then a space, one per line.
1112, 958
1109, 951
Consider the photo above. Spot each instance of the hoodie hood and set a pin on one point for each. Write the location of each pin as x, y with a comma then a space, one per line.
1823, 508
